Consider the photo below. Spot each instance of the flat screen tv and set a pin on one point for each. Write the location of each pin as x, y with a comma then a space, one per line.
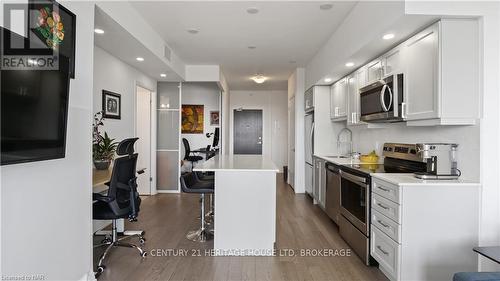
34, 111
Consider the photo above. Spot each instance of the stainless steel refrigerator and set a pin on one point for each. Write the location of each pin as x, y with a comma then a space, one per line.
309, 151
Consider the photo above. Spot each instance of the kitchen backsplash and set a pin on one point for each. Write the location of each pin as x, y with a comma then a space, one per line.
467, 137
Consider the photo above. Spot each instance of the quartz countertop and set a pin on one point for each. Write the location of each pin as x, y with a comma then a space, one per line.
410, 179
237, 163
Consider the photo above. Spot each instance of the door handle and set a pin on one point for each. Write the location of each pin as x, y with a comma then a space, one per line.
382, 96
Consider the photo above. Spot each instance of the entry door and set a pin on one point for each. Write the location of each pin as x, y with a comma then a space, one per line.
247, 132
143, 145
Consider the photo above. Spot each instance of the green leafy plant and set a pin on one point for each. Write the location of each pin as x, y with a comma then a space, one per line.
104, 149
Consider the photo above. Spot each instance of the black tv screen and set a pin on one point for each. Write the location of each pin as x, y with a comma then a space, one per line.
34, 109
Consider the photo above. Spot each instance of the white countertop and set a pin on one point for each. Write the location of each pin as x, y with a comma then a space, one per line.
396, 178
344, 161
410, 179
237, 163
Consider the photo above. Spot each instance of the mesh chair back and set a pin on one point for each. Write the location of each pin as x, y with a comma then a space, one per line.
187, 149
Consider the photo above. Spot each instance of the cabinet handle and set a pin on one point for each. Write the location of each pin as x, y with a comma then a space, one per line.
383, 224
384, 189
382, 250
383, 207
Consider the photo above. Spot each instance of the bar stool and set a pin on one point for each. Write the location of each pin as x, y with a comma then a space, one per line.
208, 177
191, 184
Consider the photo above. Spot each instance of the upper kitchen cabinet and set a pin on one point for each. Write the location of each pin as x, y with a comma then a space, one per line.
354, 81
309, 100
374, 71
442, 74
392, 62
338, 100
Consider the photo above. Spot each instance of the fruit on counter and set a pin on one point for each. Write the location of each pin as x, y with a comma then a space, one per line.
372, 157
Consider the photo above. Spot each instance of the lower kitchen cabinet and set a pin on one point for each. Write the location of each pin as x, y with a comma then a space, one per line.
423, 230
319, 181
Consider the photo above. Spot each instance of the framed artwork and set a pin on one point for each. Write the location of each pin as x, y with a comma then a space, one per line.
214, 118
53, 26
111, 105
192, 119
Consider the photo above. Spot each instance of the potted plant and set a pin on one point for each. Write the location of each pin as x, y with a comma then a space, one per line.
103, 148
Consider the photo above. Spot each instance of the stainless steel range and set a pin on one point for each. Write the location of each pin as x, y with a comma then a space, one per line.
354, 222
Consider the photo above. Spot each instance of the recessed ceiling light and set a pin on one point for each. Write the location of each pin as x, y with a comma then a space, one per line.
139, 59
325, 7
252, 47
259, 78
388, 36
163, 75
328, 80
349, 64
193, 30
252, 10
98, 31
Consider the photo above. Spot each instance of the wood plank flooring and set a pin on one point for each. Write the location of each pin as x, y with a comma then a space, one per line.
167, 218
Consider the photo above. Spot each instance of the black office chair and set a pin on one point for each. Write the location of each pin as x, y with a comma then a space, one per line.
191, 184
122, 200
188, 153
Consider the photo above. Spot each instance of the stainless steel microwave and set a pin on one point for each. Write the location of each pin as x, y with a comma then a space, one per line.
382, 101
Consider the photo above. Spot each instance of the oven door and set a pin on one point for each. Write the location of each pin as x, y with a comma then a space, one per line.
381, 100
355, 200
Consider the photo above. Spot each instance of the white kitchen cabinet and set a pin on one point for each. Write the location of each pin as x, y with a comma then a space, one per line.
442, 74
309, 100
354, 82
374, 71
322, 186
392, 62
319, 182
418, 226
338, 100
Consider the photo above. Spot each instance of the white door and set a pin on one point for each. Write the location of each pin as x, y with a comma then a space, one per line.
143, 146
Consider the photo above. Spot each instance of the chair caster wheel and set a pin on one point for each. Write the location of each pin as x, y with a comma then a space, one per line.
105, 241
142, 241
100, 270
144, 254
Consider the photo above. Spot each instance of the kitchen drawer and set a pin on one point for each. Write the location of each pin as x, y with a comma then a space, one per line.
386, 207
387, 226
386, 190
386, 252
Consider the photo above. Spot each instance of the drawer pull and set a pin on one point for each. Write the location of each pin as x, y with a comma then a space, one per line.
382, 250
383, 207
384, 189
383, 224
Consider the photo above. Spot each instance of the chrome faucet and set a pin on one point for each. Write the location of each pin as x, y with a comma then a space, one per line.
339, 143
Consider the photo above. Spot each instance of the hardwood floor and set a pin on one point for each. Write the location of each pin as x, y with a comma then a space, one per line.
300, 226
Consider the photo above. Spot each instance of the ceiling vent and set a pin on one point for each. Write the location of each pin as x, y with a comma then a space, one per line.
167, 53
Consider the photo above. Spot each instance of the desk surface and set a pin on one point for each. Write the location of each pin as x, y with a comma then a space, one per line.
493, 253
99, 178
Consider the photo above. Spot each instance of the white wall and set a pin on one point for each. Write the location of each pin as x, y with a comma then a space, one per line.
47, 206
207, 94
275, 114
112, 74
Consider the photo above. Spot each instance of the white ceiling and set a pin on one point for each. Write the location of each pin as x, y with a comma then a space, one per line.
283, 32
119, 42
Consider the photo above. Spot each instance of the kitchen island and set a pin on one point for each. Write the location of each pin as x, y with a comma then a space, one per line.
245, 204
